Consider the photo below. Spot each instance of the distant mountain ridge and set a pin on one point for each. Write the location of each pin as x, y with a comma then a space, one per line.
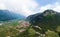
9, 15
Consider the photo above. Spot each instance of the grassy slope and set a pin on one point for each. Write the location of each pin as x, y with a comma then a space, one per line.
9, 29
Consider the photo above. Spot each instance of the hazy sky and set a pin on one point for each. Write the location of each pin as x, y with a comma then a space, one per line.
28, 7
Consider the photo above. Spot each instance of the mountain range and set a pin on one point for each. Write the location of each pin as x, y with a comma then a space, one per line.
9, 15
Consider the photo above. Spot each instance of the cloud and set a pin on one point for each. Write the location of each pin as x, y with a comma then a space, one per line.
25, 7
55, 6
2, 6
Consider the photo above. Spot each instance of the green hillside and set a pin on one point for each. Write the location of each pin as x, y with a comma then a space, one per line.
48, 20
46, 24
16, 29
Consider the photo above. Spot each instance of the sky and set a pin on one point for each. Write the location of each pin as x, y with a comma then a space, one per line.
29, 7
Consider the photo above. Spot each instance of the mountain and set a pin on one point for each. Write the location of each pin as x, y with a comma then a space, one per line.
9, 15
46, 15
49, 19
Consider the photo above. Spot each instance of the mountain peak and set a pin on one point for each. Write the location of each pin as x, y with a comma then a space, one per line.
47, 15
49, 12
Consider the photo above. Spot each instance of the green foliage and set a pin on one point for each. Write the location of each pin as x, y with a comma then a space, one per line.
9, 29
52, 34
31, 32
48, 20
